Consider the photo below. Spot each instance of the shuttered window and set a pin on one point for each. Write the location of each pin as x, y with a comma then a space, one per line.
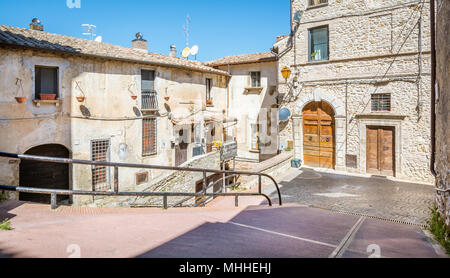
149, 133
313, 3
318, 44
46, 81
381, 102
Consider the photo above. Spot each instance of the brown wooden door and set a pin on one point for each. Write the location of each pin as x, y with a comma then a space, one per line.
318, 135
381, 151
181, 154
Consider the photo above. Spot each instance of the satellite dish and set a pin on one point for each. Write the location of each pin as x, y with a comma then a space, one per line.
98, 39
186, 52
284, 114
194, 50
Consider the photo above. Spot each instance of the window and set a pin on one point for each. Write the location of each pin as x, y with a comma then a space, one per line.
100, 174
209, 85
149, 128
313, 3
46, 79
381, 102
254, 144
255, 79
149, 95
318, 44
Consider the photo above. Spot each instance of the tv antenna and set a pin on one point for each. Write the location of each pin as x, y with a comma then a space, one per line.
186, 29
90, 30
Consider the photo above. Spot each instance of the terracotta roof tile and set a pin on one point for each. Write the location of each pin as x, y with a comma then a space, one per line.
46, 41
243, 59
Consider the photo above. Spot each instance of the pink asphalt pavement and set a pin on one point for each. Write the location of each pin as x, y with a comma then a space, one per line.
213, 232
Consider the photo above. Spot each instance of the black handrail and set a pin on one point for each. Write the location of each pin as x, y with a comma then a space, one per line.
55, 192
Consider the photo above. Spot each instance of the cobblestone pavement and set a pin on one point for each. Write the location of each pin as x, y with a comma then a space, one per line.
376, 196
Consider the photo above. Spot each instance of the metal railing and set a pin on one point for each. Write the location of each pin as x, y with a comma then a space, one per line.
55, 192
150, 101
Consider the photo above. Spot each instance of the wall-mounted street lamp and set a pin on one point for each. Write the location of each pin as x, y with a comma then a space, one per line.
286, 72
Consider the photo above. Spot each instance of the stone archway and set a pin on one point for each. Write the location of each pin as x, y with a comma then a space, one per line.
45, 175
340, 121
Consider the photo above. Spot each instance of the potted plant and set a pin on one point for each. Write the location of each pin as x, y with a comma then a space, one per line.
167, 98
81, 99
209, 101
47, 96
20, 99
134, 97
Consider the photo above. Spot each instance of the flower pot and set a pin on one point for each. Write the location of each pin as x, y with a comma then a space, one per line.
167, 98
48, 96
134, 97
209, 102
21, 99
81, 99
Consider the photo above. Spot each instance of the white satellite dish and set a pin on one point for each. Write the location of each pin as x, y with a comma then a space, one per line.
186, 52
194, 50
98, 39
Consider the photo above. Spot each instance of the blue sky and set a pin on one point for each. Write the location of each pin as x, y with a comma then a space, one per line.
220, 28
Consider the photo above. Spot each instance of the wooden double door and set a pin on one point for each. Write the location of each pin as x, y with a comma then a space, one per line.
380, 150
319, 135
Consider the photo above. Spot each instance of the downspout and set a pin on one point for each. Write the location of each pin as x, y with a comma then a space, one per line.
433, 87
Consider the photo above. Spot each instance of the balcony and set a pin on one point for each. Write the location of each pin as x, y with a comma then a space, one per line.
150, 101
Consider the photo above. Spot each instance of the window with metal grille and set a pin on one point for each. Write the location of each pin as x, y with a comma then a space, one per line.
46, 82
318, 44
256, 79
100, 174
149, 132
313, 3
150, 101
381, 102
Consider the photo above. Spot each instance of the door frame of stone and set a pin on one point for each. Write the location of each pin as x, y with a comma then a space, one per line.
397, 125
338, 105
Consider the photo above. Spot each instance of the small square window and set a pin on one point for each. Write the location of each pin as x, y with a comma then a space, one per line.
255, 79
46, 83
381, 102
313, 3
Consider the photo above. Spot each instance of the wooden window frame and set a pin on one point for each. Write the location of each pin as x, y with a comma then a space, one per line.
259, 79
37, 89
152, 150
310, 47
209, 87
320, 4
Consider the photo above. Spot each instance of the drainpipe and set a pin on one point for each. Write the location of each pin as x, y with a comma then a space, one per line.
433, 87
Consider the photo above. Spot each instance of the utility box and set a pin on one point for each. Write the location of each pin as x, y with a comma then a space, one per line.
296, 163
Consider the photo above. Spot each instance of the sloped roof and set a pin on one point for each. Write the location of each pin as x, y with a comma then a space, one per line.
13, 36
243, 59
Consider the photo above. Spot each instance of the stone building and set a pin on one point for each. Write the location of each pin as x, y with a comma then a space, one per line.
68, 97
359, 89
442, 106
253, 101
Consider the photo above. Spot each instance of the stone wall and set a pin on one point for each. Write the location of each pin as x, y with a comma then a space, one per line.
110, 113
374, 48
171, 181
443, 105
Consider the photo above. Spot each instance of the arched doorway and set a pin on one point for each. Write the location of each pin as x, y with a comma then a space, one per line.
319, 142
38, 174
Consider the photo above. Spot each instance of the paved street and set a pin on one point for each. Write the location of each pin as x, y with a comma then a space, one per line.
379, 197
291, 231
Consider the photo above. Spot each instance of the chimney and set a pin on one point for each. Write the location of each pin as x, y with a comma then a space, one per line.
139, 42
36, 25
173, 51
